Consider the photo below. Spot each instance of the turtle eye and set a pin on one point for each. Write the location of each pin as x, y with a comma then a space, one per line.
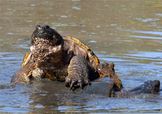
38, 27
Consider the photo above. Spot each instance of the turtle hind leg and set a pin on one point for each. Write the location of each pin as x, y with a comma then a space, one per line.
108, 70
78, 71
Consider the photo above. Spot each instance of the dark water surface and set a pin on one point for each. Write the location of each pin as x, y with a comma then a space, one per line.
126, 32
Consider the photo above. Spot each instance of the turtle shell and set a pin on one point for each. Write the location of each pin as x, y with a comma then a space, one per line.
26, 58
93, 59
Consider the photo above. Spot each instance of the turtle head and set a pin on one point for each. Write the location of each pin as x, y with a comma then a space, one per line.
46, 33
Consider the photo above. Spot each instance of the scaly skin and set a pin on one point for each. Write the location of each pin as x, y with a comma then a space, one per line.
78, 73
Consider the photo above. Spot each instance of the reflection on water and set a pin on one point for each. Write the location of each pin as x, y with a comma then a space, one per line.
149, 35
127, 33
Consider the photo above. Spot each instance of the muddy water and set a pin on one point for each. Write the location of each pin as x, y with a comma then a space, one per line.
126, 32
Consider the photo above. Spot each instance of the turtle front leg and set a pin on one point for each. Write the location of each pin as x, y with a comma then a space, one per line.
27, 73
23, 75
78, 72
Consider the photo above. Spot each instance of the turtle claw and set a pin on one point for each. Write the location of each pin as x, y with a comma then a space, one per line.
74, 84
81, 85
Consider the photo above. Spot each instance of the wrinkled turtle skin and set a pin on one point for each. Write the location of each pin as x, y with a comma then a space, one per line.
65, 59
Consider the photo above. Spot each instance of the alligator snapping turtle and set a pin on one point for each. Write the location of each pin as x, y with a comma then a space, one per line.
67, 59
60, 58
